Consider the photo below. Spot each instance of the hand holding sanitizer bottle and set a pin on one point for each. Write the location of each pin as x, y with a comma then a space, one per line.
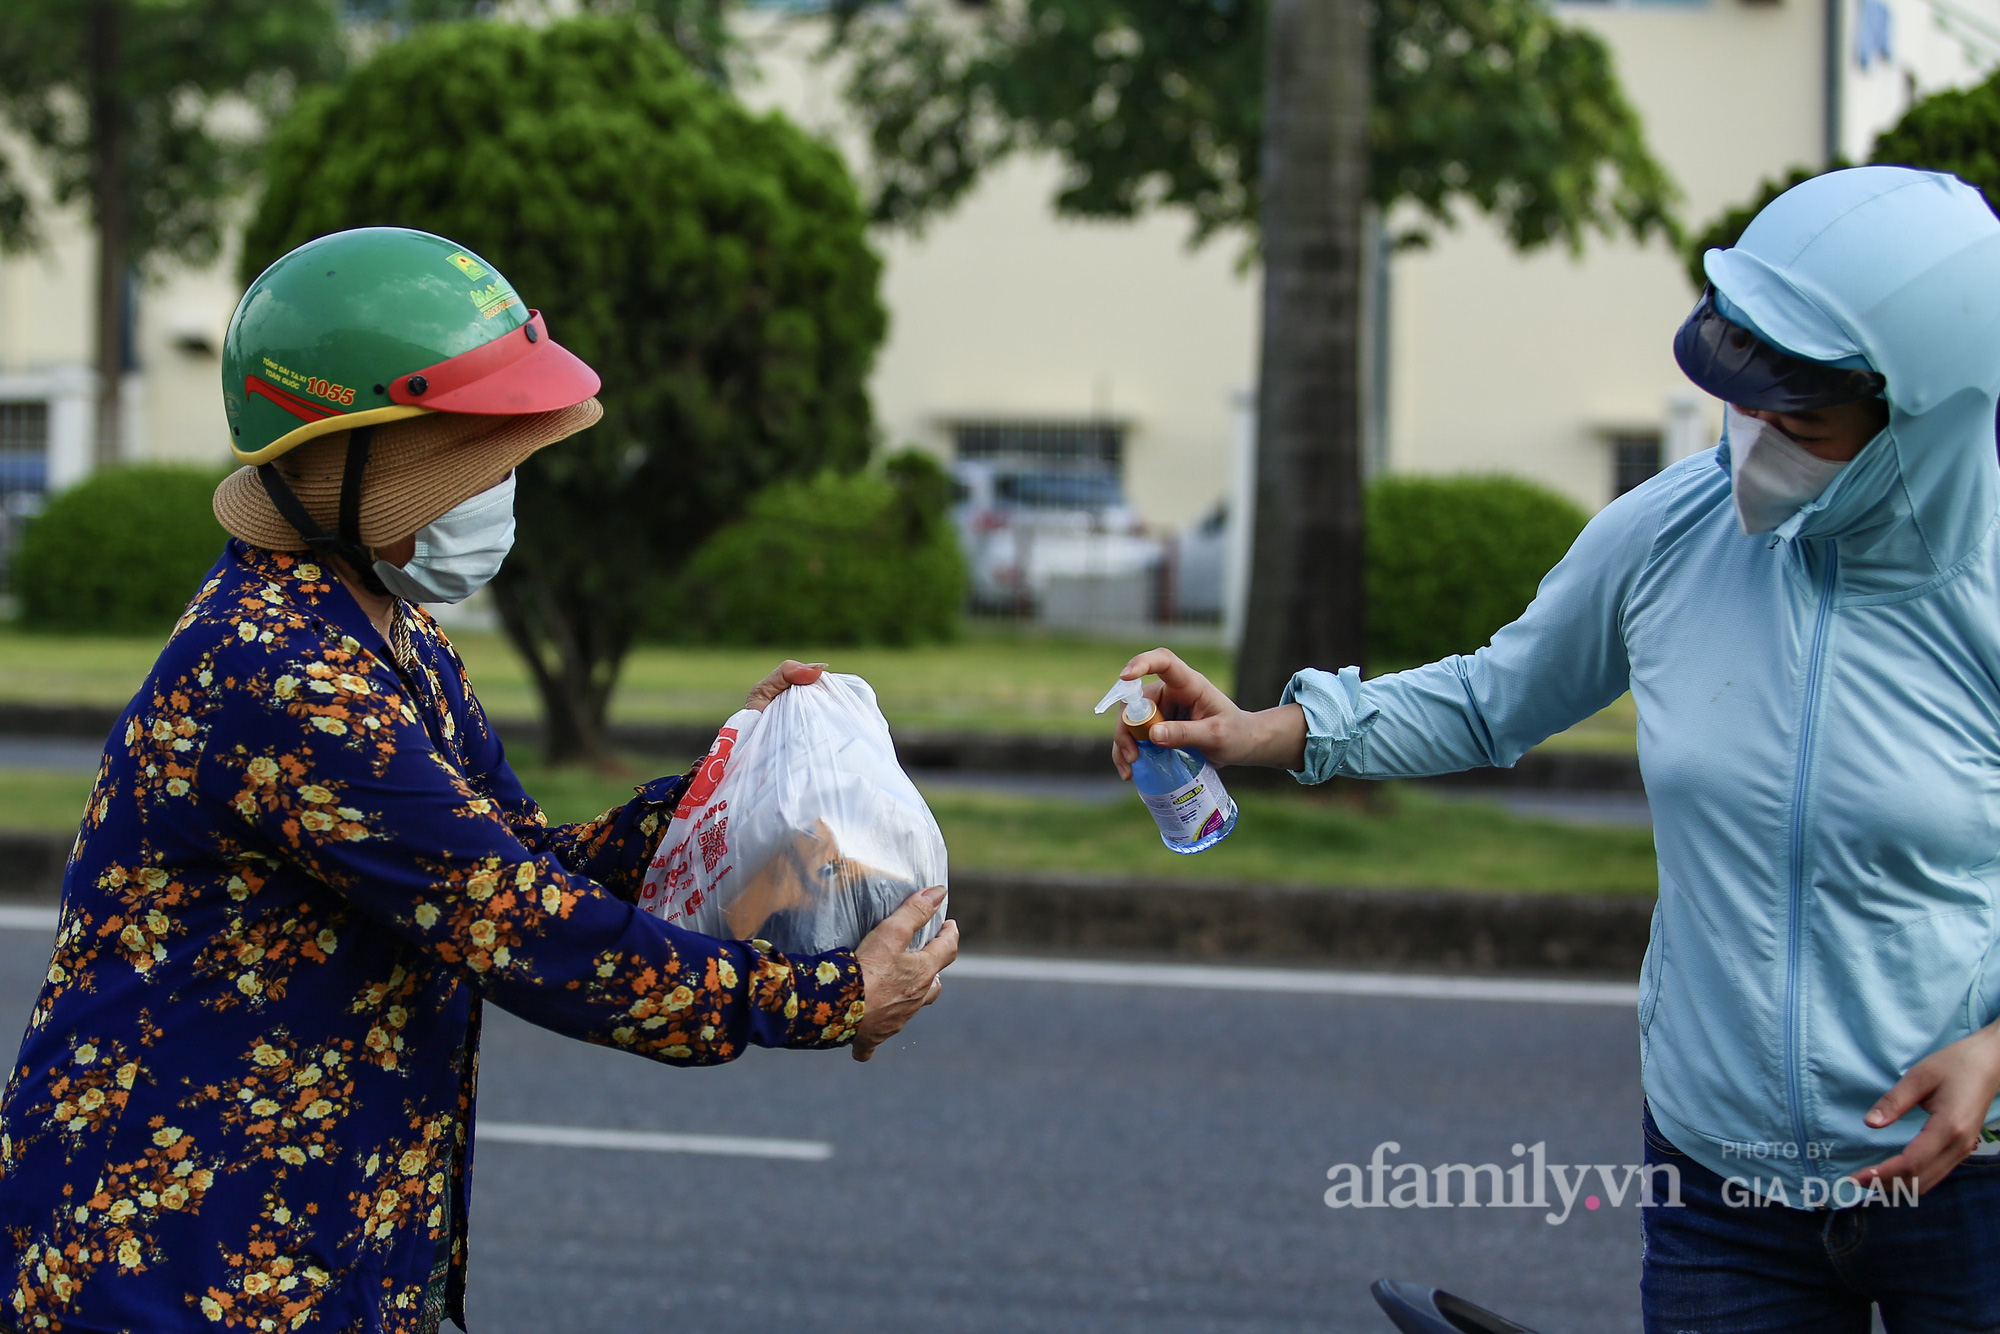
1178, 786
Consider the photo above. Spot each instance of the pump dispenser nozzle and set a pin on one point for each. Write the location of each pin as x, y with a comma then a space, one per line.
1139, 714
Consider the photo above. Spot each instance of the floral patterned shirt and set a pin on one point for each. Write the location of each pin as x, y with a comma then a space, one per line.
246, 1090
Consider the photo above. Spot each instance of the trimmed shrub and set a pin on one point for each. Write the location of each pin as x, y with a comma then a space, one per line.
1452, 559
837, 559
119, 553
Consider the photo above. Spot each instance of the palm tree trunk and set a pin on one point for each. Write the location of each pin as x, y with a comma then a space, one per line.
109, 132
1307, 604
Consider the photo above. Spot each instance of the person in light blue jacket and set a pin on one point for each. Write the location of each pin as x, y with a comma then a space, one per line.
1808, 617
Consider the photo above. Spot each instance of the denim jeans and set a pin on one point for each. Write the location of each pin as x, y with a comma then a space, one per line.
1717, 1267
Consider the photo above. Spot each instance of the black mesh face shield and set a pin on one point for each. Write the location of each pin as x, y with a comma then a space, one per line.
1738, 367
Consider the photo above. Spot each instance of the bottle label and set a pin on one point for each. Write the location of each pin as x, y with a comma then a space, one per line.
1191, 811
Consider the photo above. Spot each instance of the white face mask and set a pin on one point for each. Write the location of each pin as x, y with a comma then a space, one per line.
1771, 476
458, 552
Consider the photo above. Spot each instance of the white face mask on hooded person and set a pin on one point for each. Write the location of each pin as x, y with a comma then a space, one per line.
1771, 476
459, 552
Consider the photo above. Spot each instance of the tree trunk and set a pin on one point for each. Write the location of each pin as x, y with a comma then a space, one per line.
573, 652
1307, 603
109, 135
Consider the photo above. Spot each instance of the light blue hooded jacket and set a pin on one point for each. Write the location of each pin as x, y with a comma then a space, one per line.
1819, 708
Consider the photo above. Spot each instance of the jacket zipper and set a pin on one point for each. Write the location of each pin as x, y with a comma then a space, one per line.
1795, 945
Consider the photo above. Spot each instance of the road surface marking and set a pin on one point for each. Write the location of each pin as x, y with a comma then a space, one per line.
647, 1141
1210, 977
1206, 977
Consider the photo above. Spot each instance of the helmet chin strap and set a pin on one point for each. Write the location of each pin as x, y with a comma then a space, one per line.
347, 546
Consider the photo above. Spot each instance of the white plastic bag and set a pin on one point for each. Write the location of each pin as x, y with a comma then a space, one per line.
799, 828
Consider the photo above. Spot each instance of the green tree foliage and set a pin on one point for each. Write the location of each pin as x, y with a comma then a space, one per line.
120, 552
1956, 131
1452, 559
117, 101
1491, 102
711, 264
836, 559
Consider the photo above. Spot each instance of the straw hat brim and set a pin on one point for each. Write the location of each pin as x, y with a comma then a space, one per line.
417, 470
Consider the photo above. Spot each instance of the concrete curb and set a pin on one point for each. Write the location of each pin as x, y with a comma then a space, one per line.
1070, 914
969, 752
1433, 928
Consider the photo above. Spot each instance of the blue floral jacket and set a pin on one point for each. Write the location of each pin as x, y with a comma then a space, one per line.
245, 1096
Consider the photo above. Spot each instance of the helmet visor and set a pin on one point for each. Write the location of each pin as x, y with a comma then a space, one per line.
1735, 365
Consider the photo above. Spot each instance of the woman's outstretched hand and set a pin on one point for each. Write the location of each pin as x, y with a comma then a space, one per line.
787, 675
1208, 720
897, 981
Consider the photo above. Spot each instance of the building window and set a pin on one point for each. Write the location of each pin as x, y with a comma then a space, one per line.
1091, 445
1634, 459
24, 470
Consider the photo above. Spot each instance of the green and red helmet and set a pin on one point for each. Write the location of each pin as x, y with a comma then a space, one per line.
377, 324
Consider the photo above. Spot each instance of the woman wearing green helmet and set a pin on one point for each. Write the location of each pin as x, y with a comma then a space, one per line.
245, 1097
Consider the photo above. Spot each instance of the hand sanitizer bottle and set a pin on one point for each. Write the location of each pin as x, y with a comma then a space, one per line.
1179, 787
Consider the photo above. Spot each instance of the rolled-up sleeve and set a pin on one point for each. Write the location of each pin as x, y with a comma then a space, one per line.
1561, 661
324, 760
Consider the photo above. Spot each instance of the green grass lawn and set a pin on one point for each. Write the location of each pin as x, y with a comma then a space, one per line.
987, 680
1402, 836
992, 680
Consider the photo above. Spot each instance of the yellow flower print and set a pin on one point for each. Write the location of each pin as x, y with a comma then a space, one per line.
315, 794
331, 726
264, 769
286, 687
167, 1136
827, 973
293, 1154
128, 1253
680, 998
86, 1053
413, 1162
426, 915
725, 973
246, 631
483, 933
266, 1055
317, 821
309, 572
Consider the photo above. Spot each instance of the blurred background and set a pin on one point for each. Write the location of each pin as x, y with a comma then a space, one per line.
934, 337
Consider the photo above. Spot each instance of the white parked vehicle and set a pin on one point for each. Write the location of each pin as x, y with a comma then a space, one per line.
1023, 525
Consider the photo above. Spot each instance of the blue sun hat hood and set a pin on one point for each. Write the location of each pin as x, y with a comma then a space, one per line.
1898, 270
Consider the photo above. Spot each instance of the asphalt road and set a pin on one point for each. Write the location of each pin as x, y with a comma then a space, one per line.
1048, 1155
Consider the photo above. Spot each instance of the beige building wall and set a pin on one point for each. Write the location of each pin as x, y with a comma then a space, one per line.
1530, 365
1535, 364
1001, 309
